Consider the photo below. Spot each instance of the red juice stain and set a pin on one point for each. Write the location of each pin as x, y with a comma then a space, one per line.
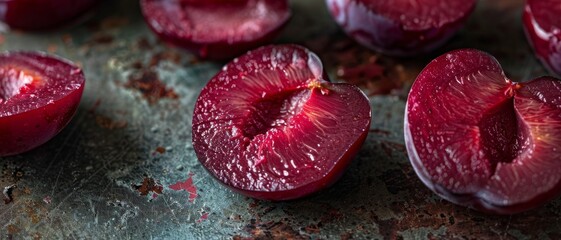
203, 217
187, 186
149, 185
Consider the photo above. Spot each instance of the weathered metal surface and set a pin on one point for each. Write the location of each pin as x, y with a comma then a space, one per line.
125, 167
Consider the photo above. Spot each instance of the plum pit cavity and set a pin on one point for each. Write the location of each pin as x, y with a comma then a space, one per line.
36, 90
271, 126
498, 145
11, 82
503, 134
275, 111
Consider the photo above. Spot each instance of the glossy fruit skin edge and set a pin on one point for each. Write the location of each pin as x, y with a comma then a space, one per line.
311, 187
546, 45
386, 36
43, 14
476, 200
27, 130
216, 50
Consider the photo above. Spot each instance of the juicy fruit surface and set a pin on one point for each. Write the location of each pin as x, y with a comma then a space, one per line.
29, 81
478, 139
546, 13
38, 96
32, 14
268, 126
190, 22
543, 29
419, 14
401, 27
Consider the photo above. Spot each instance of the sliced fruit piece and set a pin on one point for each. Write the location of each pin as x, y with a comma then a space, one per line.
271, 127
480, 140
542, 25
39, 95
216, 29
401, 27
42, 14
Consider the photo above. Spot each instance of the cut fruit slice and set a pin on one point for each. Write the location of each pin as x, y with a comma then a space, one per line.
542, 25
480, 140
401, 27
216, 29
42, 14
39, 94
269, 126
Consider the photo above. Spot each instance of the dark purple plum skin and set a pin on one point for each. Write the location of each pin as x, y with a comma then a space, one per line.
269, 125
543, 32
390, 32
42, 14
36, 112
477, 139
171, 23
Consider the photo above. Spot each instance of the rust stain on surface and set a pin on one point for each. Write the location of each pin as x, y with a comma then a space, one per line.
108, 123
160, 150
148, 83
12, 229
377, 74
170, 56
271, 230
148, 185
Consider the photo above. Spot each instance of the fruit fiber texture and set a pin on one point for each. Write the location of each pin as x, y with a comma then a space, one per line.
480, 140
401, 27
216, 29
42, 14
39, 94
542, 24
270, 126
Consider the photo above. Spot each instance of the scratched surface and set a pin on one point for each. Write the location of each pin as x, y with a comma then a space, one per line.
125, 168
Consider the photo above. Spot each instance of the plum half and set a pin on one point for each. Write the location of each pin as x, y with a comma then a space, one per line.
478, 139
39, 94
271, 126
216, 29
542, 25
401, 27
42, 14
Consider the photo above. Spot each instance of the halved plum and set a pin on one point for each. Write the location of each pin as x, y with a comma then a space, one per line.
270, 126
401, 27
39, 94
216, 29
42, 14
542, 25
480, 140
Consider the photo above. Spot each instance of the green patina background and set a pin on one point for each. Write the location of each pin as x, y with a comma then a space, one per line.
133, 127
